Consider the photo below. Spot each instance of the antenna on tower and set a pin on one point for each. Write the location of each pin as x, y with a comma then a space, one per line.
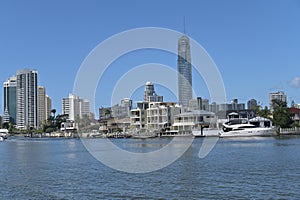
184, 31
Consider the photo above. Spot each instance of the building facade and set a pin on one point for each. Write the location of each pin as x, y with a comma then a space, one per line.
150, 94
138, 116
160, 115
184, 71
84, 108
199, 104
251, 104
213, 107
42, 104
122, 110
187, 121
48, 103
234, 105
27, 99
10, 100
75, 107
280, 95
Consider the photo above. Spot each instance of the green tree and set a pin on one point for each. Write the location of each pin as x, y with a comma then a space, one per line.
5, 125
11, 128
281, 114
53, 111
263, 112
60, 119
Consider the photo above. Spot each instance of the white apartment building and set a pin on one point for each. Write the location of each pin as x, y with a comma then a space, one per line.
75, 107
160, 115
84, 108
48, 106
280, 95
138, 116
27, 99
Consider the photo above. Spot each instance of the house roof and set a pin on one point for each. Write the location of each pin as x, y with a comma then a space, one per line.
195, 112
259, 119
294, 110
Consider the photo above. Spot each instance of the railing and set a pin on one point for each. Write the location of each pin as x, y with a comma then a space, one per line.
295, 130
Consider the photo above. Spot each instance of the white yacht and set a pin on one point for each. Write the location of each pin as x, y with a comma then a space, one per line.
247, 128
3, 134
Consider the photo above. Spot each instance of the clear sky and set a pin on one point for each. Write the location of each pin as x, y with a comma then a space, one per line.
255, 44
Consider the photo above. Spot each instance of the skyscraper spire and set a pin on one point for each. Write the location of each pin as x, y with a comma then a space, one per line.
184, 31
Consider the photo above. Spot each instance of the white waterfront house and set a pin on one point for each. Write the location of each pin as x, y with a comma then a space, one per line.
138, 116
188, 121
160, 115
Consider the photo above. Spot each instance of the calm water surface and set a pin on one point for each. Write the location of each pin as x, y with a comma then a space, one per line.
253, 168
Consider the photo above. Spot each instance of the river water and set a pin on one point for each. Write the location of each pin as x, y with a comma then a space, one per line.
240, 168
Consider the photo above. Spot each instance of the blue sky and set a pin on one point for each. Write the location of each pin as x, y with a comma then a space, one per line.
255, 44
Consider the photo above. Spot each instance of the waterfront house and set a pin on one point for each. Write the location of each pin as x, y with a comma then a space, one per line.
160, 115
138, 116
187, 121
295, 114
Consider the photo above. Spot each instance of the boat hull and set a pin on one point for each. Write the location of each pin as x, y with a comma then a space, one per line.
249, 132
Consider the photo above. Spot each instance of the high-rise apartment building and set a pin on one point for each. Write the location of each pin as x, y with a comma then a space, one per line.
184, 71
150, 94
75, 107
65, 106
27, 99
48, 104
199, 104
84, 108
280, 95
251, 104
122, 110
42, 104
10, 100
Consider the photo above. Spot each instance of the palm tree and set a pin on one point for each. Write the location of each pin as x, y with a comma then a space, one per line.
53, 111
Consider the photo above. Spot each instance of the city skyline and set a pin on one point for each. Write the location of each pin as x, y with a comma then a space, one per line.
254, 44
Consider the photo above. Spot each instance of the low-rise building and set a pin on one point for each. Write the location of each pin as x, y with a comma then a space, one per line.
188, 121
160, 115
295, 114
138, 116
68, 126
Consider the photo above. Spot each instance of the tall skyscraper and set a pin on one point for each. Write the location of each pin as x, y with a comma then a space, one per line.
150, 94
184, 71
42, 104
48, 104
10, 100
27, 99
